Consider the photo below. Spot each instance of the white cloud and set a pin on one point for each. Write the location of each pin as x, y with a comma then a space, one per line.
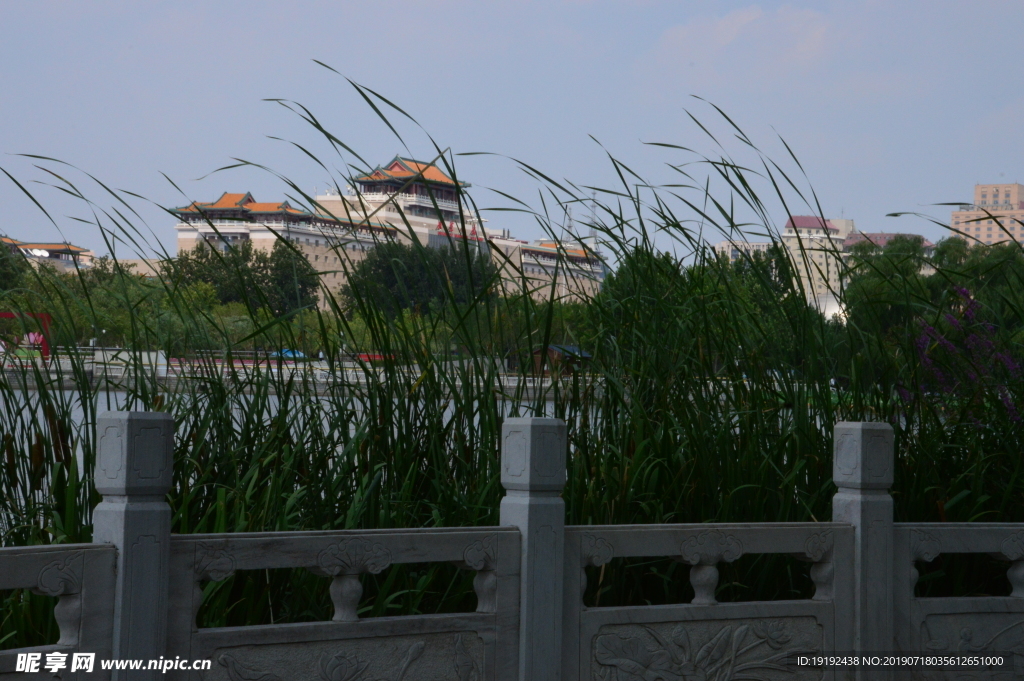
749, 48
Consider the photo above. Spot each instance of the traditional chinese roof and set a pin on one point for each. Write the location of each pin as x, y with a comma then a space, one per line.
404, 169
240, 206
243, 208
53, 247
554, 247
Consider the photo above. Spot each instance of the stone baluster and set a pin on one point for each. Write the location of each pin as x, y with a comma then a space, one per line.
134, 461
1013, 551
862, 469
533, 475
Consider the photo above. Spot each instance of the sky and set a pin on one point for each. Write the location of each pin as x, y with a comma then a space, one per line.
888, 106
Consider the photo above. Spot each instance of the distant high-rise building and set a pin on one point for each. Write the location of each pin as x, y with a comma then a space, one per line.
994, 217
815, 246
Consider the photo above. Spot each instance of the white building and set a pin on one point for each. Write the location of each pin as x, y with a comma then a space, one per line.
815, 247
403, 200
734, 250
234, 219
64, 257
562, 270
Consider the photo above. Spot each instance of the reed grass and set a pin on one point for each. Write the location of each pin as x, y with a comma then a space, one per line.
710, 396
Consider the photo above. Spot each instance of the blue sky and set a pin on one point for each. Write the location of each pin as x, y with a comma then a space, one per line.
889, 106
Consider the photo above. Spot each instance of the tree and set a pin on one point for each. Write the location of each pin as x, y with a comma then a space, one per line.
292, 282
12, 267
238, 274
886, 285
396, 277
282, 281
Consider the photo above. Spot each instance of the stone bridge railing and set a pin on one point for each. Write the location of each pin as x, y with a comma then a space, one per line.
135, 592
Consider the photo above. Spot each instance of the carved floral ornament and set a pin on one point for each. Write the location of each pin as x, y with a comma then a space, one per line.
61, 577
353, 557
213, 563
734, 652
1013, 546
710, 547
819, 546
480, 555
349, 666
924, 546
596, 551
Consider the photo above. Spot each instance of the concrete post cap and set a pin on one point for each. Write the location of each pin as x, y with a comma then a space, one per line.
863, 455
134, 453
533, 454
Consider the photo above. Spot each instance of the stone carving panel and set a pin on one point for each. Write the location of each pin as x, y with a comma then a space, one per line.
976, 633
456, 656
705, 649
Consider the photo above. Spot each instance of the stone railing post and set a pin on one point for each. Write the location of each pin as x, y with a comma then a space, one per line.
862, 469
533, 474
134, 454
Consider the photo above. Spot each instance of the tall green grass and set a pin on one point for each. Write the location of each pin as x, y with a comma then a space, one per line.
710, 396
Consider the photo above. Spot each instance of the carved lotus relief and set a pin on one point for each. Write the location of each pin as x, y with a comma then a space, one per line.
976, 633
456, 656
705, 650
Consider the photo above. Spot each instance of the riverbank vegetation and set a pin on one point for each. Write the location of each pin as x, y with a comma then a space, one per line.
709, 394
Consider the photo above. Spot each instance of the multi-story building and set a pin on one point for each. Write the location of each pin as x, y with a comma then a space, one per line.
63, 256
815, 247
735, 250
421, 201
562, 270
235, 219
997, 214
403, 200
415, 199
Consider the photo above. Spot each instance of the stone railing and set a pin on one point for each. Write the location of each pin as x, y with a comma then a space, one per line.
135, 592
